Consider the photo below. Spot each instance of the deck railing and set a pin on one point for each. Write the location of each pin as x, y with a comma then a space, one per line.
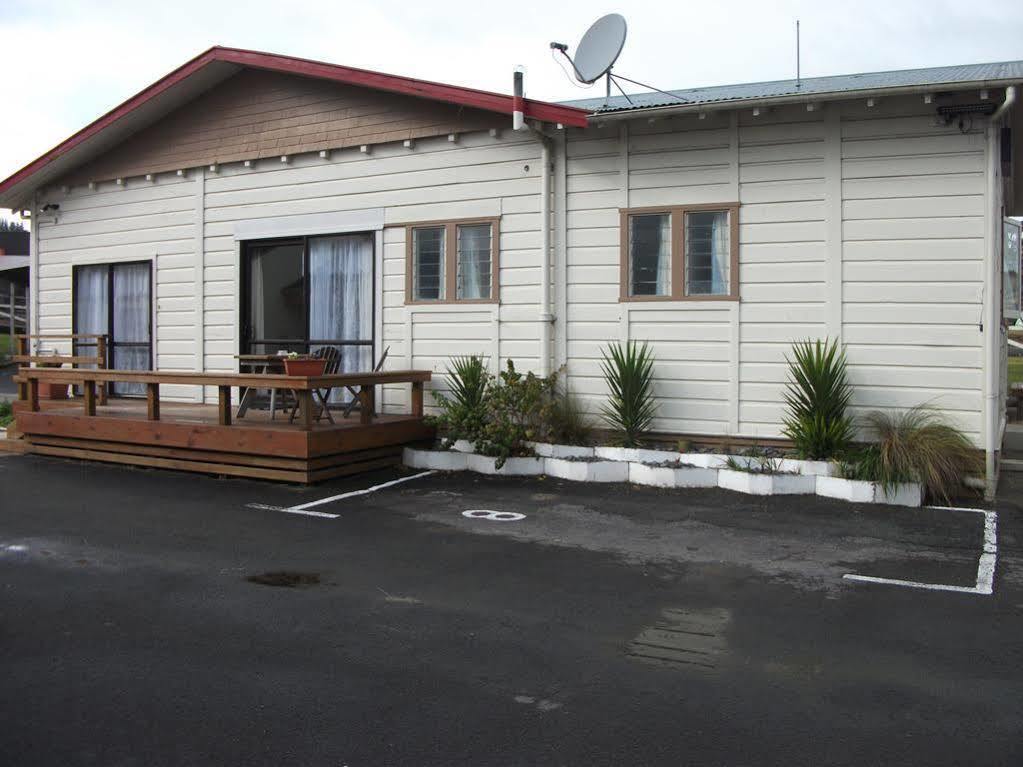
303, 386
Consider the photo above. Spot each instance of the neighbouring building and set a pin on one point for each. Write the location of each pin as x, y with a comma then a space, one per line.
254, 202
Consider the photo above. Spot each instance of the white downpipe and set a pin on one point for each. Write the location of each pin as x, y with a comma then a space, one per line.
546, 318
992, 307
33, 273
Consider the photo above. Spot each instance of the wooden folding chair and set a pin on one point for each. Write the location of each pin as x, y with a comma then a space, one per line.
355, 395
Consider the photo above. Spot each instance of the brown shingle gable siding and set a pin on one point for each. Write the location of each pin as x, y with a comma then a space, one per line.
258, 114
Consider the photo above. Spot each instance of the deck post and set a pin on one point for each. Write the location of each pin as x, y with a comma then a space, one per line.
224, 405
153, 401
102, 362
417, 399
33, 394
305, 404
366, 404
89, 388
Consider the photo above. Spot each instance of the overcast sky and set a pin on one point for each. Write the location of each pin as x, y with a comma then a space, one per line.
68, 61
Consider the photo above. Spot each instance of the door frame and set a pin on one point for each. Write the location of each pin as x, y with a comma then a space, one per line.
245, 294
148, 262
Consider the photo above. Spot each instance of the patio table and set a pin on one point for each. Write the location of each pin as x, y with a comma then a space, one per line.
261, 364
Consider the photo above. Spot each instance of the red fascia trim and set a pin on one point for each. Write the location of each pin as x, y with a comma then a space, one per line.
455, 94
470, 97
90, 130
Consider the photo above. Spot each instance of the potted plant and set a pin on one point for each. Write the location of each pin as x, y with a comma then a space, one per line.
304, 365
51, 390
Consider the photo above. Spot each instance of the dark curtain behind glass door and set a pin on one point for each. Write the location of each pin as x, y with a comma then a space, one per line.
276, 313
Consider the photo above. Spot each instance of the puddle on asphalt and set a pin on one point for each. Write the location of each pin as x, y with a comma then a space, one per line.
684, 638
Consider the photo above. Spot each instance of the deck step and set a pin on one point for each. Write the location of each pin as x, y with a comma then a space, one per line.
218, 463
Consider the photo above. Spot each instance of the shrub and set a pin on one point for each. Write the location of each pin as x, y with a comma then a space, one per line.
462, 411
569, 422
817, 396
918, 445
630, 408
517, 409
6, 414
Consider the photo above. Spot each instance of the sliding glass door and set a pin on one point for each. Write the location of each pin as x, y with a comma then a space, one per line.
116, 300
304, 294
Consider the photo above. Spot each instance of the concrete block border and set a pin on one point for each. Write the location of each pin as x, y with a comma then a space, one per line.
672, 476
662, 468
766, 484
513, 467
587, 471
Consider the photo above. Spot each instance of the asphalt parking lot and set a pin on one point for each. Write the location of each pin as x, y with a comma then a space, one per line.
609, 625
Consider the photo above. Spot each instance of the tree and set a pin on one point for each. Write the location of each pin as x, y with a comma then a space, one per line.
11, 226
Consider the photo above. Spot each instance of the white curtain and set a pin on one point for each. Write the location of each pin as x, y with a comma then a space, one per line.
131, 322
91, 300
91, 288
474, 262
720, 255
341, 296
708, 254
650, 254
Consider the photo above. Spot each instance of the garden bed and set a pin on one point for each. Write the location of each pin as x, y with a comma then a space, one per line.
666, 469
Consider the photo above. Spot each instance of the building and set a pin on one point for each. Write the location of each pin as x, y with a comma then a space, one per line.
253, 202
14, 281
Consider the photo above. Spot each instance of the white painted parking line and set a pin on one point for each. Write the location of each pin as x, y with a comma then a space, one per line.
304, 508
355, 493
985, 565
267, 507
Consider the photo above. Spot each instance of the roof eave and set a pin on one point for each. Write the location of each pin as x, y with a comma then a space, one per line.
667, 110
18, 188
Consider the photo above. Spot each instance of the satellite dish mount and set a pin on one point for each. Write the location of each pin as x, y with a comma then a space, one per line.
598, 51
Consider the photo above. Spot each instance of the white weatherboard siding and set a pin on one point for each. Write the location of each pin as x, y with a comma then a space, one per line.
139, 221
864, 223
913, 223
861, 222
477, 176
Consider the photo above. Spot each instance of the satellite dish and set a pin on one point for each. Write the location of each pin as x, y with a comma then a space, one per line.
600, 47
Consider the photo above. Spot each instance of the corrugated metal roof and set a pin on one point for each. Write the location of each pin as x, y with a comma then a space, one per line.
1007, 71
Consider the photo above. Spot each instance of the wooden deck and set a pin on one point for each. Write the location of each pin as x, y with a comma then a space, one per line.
189, 438
211, 438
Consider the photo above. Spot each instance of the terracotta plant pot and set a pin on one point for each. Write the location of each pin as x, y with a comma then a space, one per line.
300, 367
52, 391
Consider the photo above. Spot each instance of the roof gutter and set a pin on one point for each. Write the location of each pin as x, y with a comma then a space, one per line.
671, 110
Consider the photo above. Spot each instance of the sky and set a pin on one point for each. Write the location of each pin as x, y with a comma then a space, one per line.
69, 61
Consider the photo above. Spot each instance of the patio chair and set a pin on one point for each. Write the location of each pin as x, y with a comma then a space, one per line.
355, 395
333, 357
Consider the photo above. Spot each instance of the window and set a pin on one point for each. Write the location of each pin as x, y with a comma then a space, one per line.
115, 300
680, 253
428, 265
454, 261
1011, 301
303, 294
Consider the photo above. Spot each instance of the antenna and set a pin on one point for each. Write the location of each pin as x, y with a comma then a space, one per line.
799, 81
598, 51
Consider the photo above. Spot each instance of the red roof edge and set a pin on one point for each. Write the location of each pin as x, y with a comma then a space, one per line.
455, 94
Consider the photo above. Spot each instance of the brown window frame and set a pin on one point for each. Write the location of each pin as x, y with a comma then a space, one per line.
451, 261
677, 222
